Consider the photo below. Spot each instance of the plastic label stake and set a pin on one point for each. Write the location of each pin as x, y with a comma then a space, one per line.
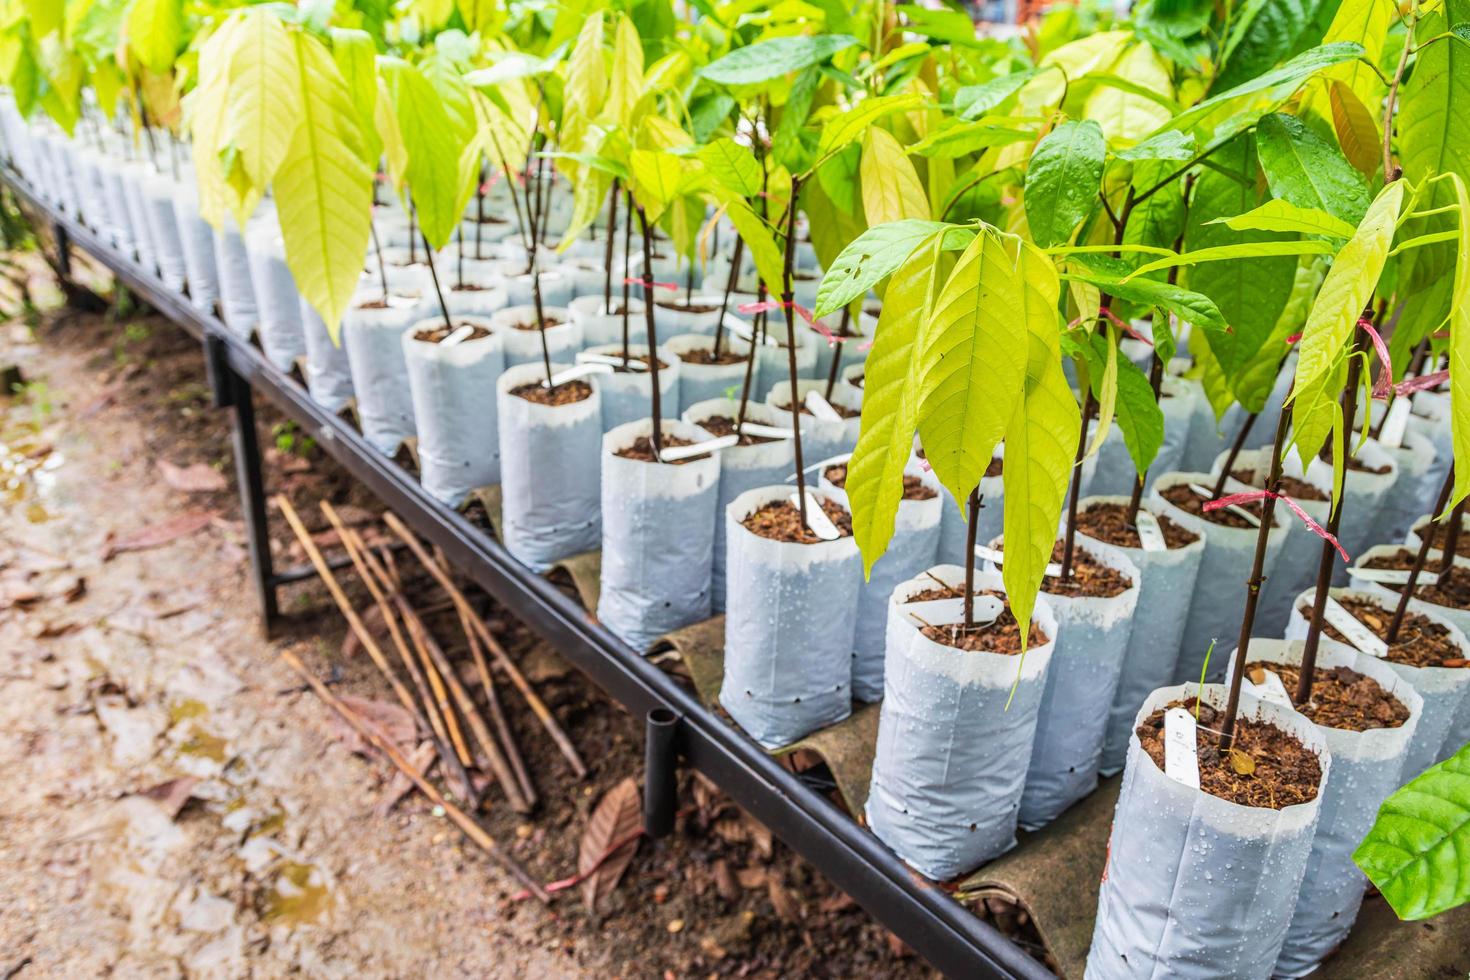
820, 408
766, 431
816, 517
673, 453
1357, 634
1387, 576
459, 336
951, 612
613, 361
1270, 688
1391, 433
1150, 535
997, 558
574, 373
1181, 750
1235, 509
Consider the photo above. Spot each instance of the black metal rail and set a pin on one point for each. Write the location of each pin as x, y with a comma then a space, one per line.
920, 913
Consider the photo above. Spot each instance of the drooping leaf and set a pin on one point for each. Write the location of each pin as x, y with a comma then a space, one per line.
1460, 347
263, 100
481, 15
891, 187
1192, 307
656, 175
1157, 220
1304, 169
1244, 250
1279, 215
956, 139
356, 57
974, 101
1418, 852
765, 60
874, 254
840, 130
1133, 97
625, 85
760, 244
155, 31
1265, 33
1170, 144
1364, 22
1063, 179
1357, 131
433, 144
733, 166
1139, 417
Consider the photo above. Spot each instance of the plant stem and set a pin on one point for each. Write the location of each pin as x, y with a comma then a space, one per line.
735, 259
459, 257
1334, 521
788, 300
1419, 561
627, 251
1451, 542
971, 530
837, 352
1235, 447
480, 209
413, 238
434, 275
1069, 539
658, 444
382, 269
607, 254
540, 311
1388, 106
1253, 584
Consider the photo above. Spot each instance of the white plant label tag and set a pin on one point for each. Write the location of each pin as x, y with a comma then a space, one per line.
816, 517
1150, 535
820, 407
1235, 509
613, 361
1270, 688
746, 331
997, 558
1357, 634
766, 431
459, 336
1391, 433
673, 453
951, 612
574, 373
1387, 576
1181, 748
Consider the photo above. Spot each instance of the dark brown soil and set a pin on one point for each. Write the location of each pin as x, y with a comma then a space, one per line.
642, 450
857, 382
994, 468
1285, 772
1108, 523
549, 322
1453, 593
1421, 641
1090, 577
1001, 636
439, 334
724, 425
1437, 534
470, 287
682, 308
1192, 503
1358, 466
562, 394
913, 487
643, 359
706, 355
843, 410
1342, 698
781, 521
1290, 485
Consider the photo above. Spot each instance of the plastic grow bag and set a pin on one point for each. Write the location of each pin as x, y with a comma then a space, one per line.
627, 395
276, 298
701, 382
607, 328
1366, 768
454, 406
820, 438
789, 616
236, 291
954, 525
484, 292
524, 346
701, 317
163, 229
658, 530
1197, 887
912, 549
1460, 617
1115, 473
742, 468
1410, 493
328, 370
372, 336
953, 742
549, 471
196, 240
133, 175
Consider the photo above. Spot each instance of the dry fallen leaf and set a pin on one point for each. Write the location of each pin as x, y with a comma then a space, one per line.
194, 478
156, 535
390, 721
172, 795
1242, 762
617, 816
423, 759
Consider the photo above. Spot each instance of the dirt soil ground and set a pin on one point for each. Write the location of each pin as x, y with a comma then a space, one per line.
173, 803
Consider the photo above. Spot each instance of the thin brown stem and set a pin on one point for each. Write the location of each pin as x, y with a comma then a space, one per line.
607, 252
1425, 540
648, 322
1451, 543
1069, 538
434, 275
972, 529
736, 258
788, 301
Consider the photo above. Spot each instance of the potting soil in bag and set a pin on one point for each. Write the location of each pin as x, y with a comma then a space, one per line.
1199, 887
1426, 642
789, 614
759, 461
829, 426
279, 304
627, 394
522, 339
697, 314
1230, 547
1095, 622
1446, 598
550, 456
196, 239
372, 332
236, 291
702, 376
955, 730
658, 528
1368, 739
1168, 563
159, 192
912, 549
452, 372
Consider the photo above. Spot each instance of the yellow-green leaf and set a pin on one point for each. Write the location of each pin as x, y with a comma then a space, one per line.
656, 176
263, 102
625, 86
356, 59
891, 187
586, 84
204, 110
1357, 131
480, 15
1107, 399
433, 142
1460, 347
760, 244
1279, 215
840, 130
155, 30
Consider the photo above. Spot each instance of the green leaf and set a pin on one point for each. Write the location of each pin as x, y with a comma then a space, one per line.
1266, 32
1418, 851
432, 142
891, 187
840, 130
733, 166
481, 15
973, 362
873, 255
1192, 307
1167, 145
1157, 220
974, 101
586, 84
1460, 348
1063, 180
1245, 250
263, 99
765, 60
956, 139
759, 242
155, 31
324, 188
1305, 170
1349, 286
1041, 441
656, 175
1279, 215
1139, 417
356, 58
890, 399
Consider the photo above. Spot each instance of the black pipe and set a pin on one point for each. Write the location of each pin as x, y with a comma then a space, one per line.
660, 772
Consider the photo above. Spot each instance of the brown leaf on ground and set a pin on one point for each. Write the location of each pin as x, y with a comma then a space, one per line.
423, 759
194, 478
618, 816
785, 904
157, 535
172, 795
541, 664
372, 618
836, 903
390, 721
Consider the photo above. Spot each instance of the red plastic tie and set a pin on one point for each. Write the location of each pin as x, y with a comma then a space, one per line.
1250, 495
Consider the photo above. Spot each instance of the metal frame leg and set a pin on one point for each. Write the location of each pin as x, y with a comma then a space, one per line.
252, 493
63, 252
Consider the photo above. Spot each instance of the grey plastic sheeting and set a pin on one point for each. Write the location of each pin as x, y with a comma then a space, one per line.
953, 742
819, 438
163, 229
196, 239
628, 395
549, 471
1087, 663
236, 292
1115, 472
1412, 492
276, 298
454, 406
328, 371
524, 346
789, 615
1363, 494
658, 530
133, 175
1366, 767
121, 219
1444, 724
701, 382
1431, 419
1166, 584
1229, 553
1197, 887
601, 328
742, 468
372, 337
912, 549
